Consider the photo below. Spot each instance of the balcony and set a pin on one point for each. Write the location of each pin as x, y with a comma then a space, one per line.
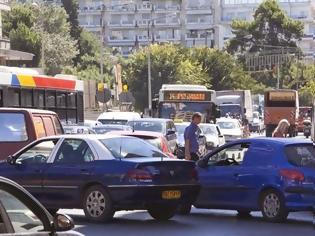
90, 9
166, 38
142, 23
91, 26
5, 5
146, 7
167, 23
122, 24
121, 41
128, 9
206, 9
167, 8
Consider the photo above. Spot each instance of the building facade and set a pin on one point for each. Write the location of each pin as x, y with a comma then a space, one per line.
196, 23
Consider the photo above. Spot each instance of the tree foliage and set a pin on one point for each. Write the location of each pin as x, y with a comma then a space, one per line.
271, 26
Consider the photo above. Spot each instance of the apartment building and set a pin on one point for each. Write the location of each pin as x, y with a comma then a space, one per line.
303, 10
128, 26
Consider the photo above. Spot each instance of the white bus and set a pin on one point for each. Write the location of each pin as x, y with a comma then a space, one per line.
179, 102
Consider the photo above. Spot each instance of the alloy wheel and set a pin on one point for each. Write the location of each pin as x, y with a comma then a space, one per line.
95, 203
271, 205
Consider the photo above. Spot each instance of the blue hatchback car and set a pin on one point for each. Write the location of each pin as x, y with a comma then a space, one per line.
274, 176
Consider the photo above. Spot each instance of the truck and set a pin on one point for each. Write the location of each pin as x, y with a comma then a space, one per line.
281, 104
237, 103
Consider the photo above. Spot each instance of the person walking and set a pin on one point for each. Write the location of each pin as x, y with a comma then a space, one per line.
191, 136
282, 129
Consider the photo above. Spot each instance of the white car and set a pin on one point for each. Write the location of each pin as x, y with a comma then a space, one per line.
213, 134
257, 124
231, 128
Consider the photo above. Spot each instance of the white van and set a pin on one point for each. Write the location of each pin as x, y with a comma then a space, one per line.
119, 118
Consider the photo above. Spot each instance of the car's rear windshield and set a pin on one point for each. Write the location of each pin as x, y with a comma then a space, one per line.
130, 147
301, 155
12, 127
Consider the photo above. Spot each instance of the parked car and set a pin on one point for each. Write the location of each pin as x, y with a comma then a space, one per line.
274, 176
103, 174
21, 126
91, 123
103, 129
156, 139
180, 127
213, 134
77, 129
231, 129
257, 124
117, 118
164, 126
22, 214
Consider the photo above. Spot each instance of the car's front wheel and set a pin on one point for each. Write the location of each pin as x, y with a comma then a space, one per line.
273, 206
162, 212
97, 204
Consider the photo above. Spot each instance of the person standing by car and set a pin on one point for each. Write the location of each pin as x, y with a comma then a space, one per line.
191, 138
281, 130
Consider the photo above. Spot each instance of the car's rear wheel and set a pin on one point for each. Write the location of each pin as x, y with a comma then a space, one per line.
162, 212
184, 209
97, 204
243, 214
273, 206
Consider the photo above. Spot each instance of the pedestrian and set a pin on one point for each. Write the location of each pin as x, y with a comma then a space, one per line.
282, 129
191, 136
246, 131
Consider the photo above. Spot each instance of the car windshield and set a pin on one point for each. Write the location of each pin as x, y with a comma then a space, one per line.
105, 129
181, 129
208, 129
156, 142
155, 126
130, 147
229, 109
112, 121
227, 125
301, 155
13, 127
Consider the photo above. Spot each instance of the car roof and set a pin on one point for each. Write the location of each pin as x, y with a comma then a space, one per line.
137, 133
277, 141
81, 136
153, 119
30, 110
119, 115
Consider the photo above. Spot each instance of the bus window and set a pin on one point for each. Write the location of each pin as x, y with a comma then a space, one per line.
71, 100
39, 127
280, 99
39, 99
61, 99
27, 96
50, 99
12, 127
14, 97
49, 126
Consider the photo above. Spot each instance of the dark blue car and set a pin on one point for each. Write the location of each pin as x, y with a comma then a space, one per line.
103, 174
274, 176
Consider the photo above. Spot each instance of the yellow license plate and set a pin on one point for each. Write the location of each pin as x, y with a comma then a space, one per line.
173, 194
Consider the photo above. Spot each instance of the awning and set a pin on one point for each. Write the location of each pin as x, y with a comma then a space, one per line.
14, 55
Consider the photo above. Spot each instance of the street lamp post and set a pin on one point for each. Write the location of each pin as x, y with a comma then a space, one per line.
149, 59
39, 5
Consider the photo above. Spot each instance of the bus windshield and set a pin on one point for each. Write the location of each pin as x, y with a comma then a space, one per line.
184, 110
230, 109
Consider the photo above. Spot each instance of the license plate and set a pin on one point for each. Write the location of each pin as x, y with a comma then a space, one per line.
172, 194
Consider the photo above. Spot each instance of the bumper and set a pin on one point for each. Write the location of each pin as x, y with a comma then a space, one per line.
140, 197
300, 198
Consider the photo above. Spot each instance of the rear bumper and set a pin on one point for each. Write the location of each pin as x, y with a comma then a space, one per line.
132, 197
300, 198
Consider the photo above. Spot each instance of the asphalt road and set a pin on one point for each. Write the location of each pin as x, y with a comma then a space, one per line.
199, 222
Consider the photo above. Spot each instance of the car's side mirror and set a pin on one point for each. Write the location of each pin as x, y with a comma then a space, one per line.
169, 132
202, 163
11, 160
63, 223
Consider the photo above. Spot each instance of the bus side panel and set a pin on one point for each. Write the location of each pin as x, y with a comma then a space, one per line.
273, 115
80, 107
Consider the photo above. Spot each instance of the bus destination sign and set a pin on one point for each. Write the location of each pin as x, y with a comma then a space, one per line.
186, 96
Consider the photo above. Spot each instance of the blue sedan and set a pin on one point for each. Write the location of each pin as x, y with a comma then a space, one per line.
102, 174
274, 176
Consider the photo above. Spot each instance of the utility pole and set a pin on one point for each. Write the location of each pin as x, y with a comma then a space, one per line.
102, 42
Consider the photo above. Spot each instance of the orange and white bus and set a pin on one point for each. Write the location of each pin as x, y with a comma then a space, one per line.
61, 94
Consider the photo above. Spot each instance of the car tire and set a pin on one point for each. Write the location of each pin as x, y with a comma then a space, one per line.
162, 212
243, 214
273, 206
52, 211
184, 209
97, 204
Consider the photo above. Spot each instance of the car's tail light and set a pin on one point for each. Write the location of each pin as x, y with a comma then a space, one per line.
292, 174
194, 174
137, 175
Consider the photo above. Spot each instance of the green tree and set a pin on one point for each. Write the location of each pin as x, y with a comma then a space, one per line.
71, 7
271, 26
